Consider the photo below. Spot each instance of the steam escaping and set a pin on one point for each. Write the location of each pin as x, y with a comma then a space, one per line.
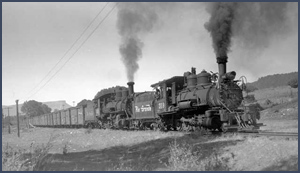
131, 51
134, 21
220, 26
250, 25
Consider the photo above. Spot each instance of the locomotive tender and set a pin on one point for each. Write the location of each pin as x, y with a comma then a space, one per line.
178, 103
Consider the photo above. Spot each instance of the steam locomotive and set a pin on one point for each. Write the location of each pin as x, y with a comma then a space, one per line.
204, 100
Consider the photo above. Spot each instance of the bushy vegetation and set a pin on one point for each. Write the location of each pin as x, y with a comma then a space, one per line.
293, 83
273, 81
250, 98
17, 159
250, 88
183, 157
33, 108
84, 102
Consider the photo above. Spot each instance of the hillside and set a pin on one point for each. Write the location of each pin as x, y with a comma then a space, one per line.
52, 104
273, 81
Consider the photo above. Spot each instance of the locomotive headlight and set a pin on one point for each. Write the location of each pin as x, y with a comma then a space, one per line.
229, 76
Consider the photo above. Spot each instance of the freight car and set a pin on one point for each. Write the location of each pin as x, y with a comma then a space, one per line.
74, 117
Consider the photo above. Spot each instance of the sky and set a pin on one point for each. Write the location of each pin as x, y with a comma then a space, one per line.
36, 35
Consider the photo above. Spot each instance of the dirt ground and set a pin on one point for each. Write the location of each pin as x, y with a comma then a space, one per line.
150, 150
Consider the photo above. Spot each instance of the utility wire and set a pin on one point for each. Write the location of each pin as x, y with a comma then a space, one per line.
69, 48
76, 50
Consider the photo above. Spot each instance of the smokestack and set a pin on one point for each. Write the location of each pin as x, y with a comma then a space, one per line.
130, 87
222, 66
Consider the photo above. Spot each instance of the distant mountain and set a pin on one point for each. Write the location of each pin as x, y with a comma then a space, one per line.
273, 81
52, 104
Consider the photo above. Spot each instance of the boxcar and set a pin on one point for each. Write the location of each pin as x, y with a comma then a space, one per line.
68, 120
63, 117
50, 119
81, 118
44, 120
54, 119
58, 118
74, 116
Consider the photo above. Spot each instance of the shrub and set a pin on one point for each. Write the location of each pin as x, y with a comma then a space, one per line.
183, 158
251, 88
293, 83
25, 160
250, 98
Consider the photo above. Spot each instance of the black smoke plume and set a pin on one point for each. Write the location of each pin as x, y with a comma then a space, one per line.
134, 21
131, 51
220, 26
252, 25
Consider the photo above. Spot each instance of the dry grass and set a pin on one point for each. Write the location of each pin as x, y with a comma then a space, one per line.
255, 154
280, 125
19, 159
277, 95
78, 140
183, 157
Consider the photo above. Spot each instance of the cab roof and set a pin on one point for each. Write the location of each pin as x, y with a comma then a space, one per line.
177, 79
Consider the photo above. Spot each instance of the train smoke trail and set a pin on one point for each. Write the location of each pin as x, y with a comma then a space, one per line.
220, 26
134, 20
252, 25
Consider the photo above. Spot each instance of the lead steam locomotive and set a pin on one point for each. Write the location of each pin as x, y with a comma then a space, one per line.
203, 100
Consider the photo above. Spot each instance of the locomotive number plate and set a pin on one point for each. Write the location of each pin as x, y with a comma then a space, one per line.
161, 105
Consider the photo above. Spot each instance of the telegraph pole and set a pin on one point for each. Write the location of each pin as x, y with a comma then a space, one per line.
18, 117
8, 118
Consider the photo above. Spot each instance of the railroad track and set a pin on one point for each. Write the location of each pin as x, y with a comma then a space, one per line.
259, 133
283, 134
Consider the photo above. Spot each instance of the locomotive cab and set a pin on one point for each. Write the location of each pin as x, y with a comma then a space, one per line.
166, 92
